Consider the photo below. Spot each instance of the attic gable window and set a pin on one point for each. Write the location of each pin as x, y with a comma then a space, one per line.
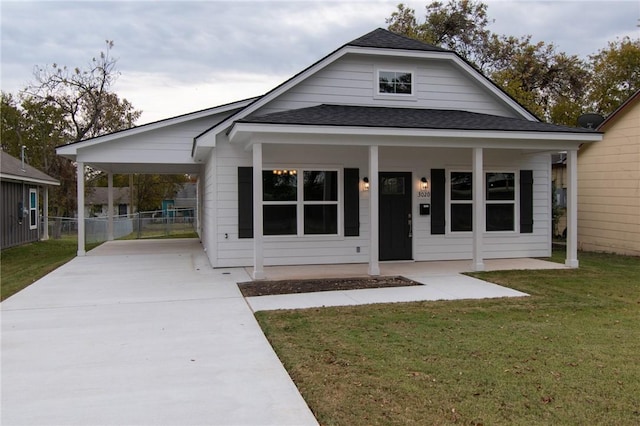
395, 82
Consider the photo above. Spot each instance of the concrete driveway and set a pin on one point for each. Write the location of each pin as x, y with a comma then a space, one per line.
141, 333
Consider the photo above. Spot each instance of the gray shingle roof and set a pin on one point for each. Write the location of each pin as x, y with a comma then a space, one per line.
407, 118
380, 38
11, 168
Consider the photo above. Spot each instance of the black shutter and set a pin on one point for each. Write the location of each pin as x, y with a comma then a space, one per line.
526, 201
438, 202
245, 202
351, 202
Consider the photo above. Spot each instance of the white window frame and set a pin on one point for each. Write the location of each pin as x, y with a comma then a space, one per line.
300, 203
377, 94
515, 201
450, 201
33, 209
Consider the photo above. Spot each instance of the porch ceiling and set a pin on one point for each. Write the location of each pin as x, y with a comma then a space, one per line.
146, 168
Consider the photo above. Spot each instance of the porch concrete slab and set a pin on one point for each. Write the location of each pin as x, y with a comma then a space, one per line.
441, 267
435, 287
139, 335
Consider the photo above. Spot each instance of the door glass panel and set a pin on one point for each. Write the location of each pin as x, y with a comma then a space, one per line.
392, 186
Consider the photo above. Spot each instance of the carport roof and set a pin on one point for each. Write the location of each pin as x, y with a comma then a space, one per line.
405, 118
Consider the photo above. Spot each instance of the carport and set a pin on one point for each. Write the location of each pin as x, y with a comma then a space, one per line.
162, 147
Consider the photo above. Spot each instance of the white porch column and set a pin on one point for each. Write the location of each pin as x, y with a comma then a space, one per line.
374, 211
45, 214
478, 209
80, 187
258, 250
110, 207
572, 209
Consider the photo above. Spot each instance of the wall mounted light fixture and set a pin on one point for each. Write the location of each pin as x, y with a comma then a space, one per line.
424, 183
365, 180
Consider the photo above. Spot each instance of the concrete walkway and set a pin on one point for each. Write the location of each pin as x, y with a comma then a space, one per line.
141, 333
146, 333
442, 280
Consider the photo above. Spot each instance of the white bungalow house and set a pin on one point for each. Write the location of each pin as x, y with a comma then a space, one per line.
387, 149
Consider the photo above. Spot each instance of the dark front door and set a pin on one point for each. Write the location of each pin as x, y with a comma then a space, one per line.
395, 216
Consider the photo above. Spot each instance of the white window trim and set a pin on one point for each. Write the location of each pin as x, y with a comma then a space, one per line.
449, 201
395, 96
32, 208
515, 201
300, 202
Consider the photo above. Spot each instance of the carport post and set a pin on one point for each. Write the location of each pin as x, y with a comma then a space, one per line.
258, 250
478, 209
80, 208
572, 209
110, 207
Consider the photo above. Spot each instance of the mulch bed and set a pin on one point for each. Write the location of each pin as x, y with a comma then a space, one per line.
265, 288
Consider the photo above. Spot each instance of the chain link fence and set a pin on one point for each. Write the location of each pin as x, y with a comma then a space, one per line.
151, 224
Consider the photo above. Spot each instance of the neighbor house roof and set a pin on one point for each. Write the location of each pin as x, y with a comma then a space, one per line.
407, 118
12, 169
100, 195
633, 99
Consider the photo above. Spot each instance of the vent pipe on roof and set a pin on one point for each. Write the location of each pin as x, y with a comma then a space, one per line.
24, 147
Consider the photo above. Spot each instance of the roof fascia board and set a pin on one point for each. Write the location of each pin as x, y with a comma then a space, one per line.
408, 141
71, 149
252, 128
632, 100
5, 176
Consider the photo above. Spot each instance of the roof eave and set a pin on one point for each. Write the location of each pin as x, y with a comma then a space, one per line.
5, 176
244, 132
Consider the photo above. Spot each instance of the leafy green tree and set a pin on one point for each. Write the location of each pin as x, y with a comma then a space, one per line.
548, 83
615, 75
64, 105
459, 25
555, 86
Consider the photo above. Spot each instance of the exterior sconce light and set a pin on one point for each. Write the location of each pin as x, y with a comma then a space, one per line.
424, 184
365, 180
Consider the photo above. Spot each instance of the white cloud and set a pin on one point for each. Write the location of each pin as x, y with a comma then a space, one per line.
163, 97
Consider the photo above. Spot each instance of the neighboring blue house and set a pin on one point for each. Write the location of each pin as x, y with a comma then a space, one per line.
386, 149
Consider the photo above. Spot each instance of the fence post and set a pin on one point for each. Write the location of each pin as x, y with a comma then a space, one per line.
139, 226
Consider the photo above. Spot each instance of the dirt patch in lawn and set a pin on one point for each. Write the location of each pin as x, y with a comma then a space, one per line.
265, 288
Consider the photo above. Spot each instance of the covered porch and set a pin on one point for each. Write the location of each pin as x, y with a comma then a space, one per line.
421, 153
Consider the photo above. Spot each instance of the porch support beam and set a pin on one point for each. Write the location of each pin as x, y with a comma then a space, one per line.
478, 209
258, 249
80, 197
374, 183
45, 214
110, 206
572, 209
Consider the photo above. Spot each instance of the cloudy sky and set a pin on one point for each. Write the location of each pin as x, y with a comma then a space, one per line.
181, 56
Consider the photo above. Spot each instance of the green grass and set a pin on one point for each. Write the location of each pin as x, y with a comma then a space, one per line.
23, 265
568, 354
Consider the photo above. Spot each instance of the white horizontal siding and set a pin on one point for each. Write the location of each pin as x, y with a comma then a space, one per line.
351, 81
285, 250
166, 145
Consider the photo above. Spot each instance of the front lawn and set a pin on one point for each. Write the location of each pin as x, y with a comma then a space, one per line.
23, 265
568, 354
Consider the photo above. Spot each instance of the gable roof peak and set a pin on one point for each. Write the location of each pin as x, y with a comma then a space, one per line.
381, 38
